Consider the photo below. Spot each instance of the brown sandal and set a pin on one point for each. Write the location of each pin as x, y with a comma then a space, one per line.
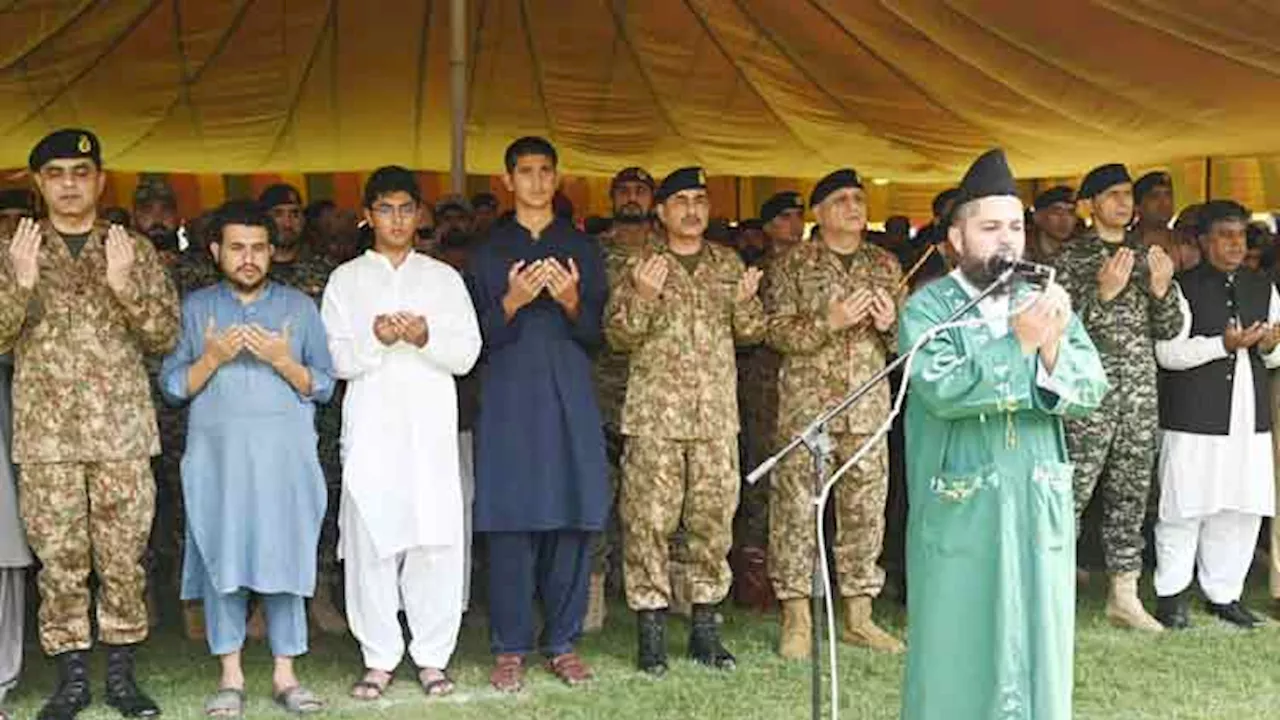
435, 682
376, 689
508, 673
570, 669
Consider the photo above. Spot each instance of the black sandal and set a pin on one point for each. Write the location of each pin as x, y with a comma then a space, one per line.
377, 689
439, 686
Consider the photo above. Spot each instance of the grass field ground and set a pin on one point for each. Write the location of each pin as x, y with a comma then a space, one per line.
1210, 672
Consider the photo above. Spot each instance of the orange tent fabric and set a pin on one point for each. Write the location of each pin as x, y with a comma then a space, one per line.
905, 90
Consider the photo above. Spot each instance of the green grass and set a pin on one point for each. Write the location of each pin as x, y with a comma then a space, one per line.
1211, 671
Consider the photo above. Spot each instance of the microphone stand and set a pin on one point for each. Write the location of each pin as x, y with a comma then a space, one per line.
816, 438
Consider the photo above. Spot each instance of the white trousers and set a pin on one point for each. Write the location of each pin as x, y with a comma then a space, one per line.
467, 472
1216, 548
425, 582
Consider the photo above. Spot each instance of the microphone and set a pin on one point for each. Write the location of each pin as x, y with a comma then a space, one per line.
1001, 263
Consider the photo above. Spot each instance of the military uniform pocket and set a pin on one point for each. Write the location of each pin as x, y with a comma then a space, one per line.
1054, 502
960, 510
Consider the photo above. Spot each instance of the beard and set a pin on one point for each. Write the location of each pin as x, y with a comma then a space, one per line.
630, 213
247, 287
982, 271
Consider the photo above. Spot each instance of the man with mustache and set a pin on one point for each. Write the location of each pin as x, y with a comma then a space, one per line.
832, 308
1125, 296
990, 550
252, 362
82, 302
628, 235
678, 313
1217, 478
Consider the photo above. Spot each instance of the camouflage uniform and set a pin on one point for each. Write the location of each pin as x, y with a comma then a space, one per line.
819, 368
1119, 439
84, 428
310, 273
680, 418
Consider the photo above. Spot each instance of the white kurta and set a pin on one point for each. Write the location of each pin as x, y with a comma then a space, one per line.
399, 418
1205, 474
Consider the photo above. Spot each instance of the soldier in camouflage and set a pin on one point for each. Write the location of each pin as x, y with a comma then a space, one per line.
81, 303
678, 313
307, 269
1124, 294
832, 309
630, 233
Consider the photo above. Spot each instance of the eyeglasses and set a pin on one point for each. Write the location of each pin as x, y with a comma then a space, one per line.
388, 212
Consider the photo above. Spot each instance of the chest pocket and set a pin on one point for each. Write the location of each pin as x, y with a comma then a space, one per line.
1053, 500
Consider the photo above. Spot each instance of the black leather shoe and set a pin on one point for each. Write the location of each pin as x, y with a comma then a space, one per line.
72, 694
652, 657
704, 640
1234, 613
123, 693
1174, 612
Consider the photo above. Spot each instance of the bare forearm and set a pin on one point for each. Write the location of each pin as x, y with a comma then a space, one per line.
296, 374
199, 373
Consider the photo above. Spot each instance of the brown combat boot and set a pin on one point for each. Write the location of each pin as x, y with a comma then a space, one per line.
325, 614
596, 608
193, 620
860, 629
1124, 609
795, 642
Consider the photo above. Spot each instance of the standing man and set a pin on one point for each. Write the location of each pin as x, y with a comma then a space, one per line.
832, 308
81, 303
252, 485
485, 207
401, 327
1126, 299
627, 237
991, 559
678, 314
307, 269
539, 287
1217, 475
1153, 197
783, 218
1055, 222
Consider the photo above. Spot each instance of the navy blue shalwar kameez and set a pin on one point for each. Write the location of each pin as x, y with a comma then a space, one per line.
541, 482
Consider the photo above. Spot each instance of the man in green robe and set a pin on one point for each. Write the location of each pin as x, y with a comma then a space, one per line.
990, 536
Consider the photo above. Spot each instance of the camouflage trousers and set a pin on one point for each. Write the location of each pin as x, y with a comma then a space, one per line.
666, 483
858, 503
606, 545
1114, 451
168, 533
329, 432
84, 517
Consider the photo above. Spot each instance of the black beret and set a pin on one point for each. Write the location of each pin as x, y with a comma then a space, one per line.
17, 199
1101, 178
751, 224
68, 144
632, 174
988, 176
779, 203
1056, 194
484, 199
1149, 182
279, 194
838, 180
689, 178
1220, 211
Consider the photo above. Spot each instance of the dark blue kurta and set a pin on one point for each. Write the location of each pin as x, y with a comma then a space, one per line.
540, 458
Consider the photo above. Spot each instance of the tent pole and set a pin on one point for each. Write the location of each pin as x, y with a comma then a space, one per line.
458, 95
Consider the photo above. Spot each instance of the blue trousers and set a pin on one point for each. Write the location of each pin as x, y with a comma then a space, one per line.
225, 617
551, 568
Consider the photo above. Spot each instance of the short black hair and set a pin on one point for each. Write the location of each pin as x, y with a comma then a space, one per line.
391, 179
317, 209
241, 212
529, 145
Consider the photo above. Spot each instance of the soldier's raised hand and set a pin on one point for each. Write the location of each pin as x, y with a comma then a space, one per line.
844, 313
1161, 266
748, 285
24, 253
1114, 274
120, 257
650, 276
883, 311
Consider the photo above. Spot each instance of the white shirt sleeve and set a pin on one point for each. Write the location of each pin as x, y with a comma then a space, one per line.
355, 351
453, 335
1272, 359
1184, 352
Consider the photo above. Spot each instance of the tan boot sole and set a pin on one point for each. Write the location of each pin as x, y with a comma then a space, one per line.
881, 643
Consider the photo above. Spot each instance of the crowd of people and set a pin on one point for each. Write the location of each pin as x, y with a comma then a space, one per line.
293, 415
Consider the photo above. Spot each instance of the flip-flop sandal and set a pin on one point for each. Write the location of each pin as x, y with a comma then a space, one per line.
299, 700
378, 689
225, 703
438, 686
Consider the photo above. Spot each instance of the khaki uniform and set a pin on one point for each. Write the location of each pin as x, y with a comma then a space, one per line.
84, 428
819, 368
680, 418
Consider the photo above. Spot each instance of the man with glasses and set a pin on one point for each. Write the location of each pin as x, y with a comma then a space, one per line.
82, 302
401, 327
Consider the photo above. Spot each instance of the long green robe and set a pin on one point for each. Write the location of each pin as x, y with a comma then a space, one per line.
990, 536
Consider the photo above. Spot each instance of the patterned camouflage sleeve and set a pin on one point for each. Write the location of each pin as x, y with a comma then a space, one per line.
1165, 314
1083, 289
13, 302
627, 315
898, 292
150, 302
792, 330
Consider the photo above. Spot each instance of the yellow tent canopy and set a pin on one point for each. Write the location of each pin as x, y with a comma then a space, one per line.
907, 90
